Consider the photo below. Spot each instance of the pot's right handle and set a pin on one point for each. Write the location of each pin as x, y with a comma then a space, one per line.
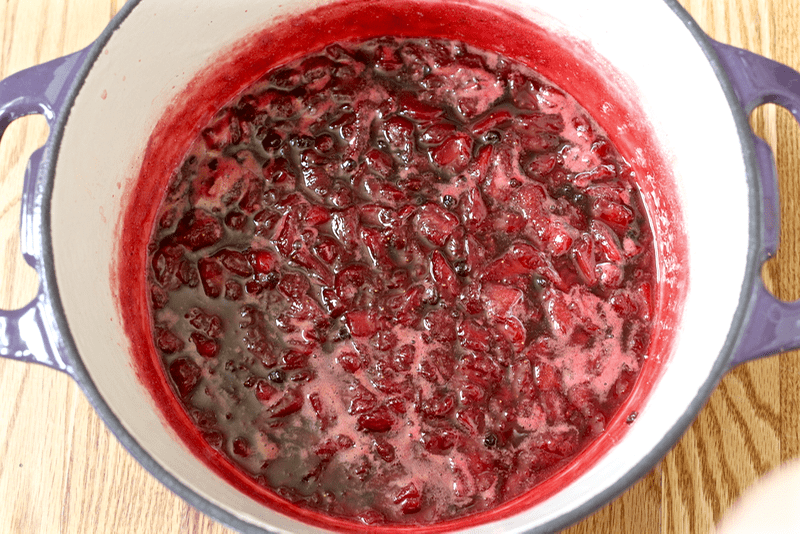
24, 333
772, 325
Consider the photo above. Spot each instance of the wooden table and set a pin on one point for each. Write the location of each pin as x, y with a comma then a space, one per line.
62, 471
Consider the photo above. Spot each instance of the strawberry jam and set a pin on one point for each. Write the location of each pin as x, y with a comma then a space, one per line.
401, 281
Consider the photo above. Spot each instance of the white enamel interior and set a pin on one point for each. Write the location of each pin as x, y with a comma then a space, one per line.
156, 51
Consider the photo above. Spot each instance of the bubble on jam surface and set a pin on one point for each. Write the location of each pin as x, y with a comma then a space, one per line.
400, 257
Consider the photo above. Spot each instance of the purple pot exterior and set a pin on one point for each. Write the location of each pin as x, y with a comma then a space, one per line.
772, 326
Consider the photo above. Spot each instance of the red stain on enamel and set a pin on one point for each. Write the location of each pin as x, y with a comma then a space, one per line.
604, 236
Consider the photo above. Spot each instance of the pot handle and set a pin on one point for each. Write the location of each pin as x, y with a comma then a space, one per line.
772, 325
25, 332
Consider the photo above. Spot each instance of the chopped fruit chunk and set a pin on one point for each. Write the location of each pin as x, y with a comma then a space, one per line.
435, 223
198, 229
186, 375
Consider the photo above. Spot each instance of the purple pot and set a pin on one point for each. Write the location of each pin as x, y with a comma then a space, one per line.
102, 103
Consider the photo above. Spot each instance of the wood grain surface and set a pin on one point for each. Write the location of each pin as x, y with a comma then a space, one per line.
61, 471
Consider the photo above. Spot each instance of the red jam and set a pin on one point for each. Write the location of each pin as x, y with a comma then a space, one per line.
401, 281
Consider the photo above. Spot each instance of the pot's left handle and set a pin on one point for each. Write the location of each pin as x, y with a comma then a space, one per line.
25, 333
771, 325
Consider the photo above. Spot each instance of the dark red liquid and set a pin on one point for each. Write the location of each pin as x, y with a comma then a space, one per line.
401, 281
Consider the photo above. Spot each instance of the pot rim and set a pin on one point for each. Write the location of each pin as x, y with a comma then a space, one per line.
722, 364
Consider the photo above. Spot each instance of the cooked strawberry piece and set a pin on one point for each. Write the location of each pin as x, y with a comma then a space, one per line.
241, 447
158, 297
165, 263
167, 341
501, 300
539, 166
361, 323
480, 368
209, 323
379, 162
378, 420
328, 249
583, 254
384, 191
198, 229
435, 223
287, 234
558, 237
409, 499
438, 405
472, 420
623, 305
610, 275
317, 215
557, 311
521, 260
279, 172
510, 223
205, 346
454, 154
385, 450
293, 285
360, 399
615, 214
186, 375
289, 403
439, 440
407, 306
548, 378
399, 132
491, 121
350, 280
294, 359
331, 446
345, 228
473, 209
437, 133
313, 265
607, 241
235, 261
513, 330
264, 391
333, 304
326, 418
211, 276
538, 121
622, 385
349, 361
446, 280
414, 109
377, 244
404, 357
251, 200
645, 293
261, 261
187, 274
474, 336
441, 325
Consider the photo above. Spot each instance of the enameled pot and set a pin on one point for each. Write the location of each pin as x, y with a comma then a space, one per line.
709, 185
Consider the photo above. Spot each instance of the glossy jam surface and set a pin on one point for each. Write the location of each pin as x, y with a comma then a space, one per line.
401, 281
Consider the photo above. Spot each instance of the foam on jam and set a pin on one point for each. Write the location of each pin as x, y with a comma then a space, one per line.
401, 281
